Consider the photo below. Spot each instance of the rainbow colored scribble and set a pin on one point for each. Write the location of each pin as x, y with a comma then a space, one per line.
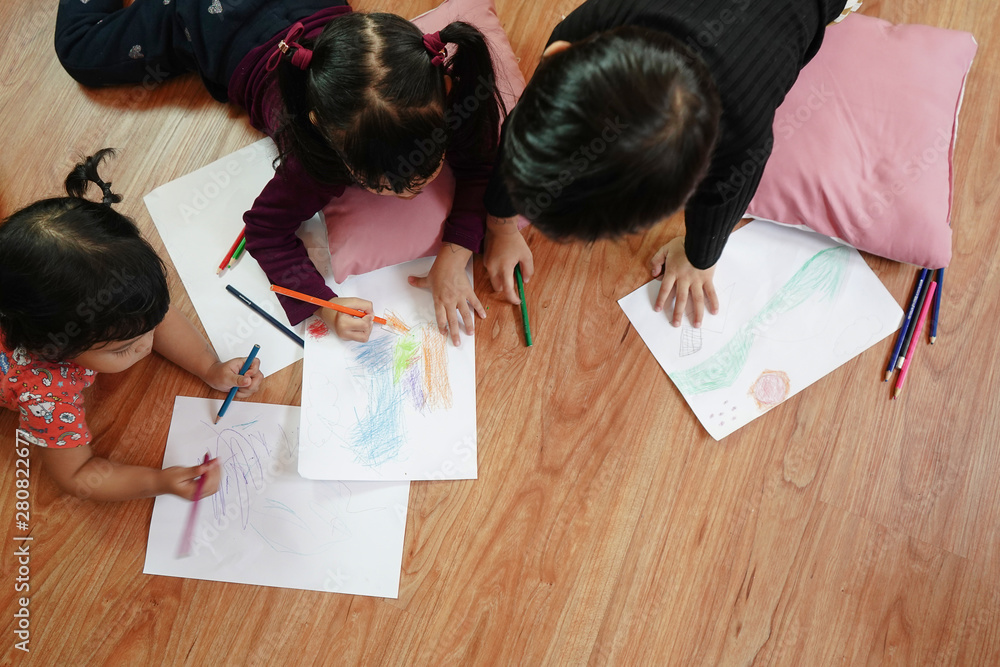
409, 368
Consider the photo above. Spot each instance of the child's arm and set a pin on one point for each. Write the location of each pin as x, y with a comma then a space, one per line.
78, 472
452, 291
463, 234
177, 340
288, 199
505, 249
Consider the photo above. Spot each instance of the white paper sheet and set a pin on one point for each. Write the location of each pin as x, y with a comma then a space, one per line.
267, 525
794, 306
396, 407
198, 217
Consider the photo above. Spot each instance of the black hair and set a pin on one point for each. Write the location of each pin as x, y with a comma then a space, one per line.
611, 135
75, 273
384, 118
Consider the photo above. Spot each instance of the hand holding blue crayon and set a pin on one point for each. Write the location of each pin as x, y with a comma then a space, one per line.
244, 382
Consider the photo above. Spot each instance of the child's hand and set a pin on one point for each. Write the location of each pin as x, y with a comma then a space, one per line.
183, 482
505, 249
224, 375
347, 326
679, 273
452, 291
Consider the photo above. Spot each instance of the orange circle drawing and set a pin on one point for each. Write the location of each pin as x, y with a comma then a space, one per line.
770, 388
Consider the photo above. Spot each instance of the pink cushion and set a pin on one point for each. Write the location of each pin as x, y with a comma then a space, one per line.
863, 142
368, 231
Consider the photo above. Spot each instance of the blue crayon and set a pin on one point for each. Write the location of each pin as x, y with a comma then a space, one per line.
232, 392
906, 324
267, 316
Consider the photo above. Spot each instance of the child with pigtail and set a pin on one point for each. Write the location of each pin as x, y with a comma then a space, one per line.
350, 98
82, 293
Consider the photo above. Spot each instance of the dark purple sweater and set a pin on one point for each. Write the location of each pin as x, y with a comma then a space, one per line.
292, 196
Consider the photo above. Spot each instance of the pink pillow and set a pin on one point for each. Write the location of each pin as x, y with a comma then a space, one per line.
368, 231
863, 141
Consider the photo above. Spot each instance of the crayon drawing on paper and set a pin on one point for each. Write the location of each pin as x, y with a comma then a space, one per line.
400, 406
800, 306
266, 524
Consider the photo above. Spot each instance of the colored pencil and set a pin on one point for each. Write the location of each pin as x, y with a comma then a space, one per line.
233, 390
189, 528
913, 342
229, 255
326, 304
913, 322
524, 304
906, 325
937, 305
267, 316
237, 254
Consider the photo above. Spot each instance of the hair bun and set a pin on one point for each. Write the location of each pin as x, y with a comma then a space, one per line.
86, 172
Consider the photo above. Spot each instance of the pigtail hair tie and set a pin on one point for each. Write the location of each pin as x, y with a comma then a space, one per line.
301, 56
435, 47
109, 196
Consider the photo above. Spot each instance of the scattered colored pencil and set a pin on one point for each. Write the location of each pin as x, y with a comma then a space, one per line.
937, 304
267, 316
233, 390
326, 304
913, 322
524, 305
913, 342
906, 325
237, 254
187, 539
232, 251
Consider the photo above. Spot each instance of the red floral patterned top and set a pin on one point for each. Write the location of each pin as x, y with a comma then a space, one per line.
48, 396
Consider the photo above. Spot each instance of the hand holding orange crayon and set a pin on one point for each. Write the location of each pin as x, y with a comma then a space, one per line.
391, 324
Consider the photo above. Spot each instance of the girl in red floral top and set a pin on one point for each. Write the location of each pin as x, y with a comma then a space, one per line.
81, 292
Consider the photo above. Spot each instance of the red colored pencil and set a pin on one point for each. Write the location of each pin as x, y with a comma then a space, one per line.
189, 528
232, 251
913, 341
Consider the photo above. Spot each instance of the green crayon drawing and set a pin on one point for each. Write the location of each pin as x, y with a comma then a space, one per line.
403, 354
820, 276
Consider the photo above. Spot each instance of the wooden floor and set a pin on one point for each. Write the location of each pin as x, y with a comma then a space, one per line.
605, 527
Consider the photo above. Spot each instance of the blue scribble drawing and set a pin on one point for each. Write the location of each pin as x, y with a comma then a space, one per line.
378, 434
243, 452
397, 370
249, 464
242, 470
